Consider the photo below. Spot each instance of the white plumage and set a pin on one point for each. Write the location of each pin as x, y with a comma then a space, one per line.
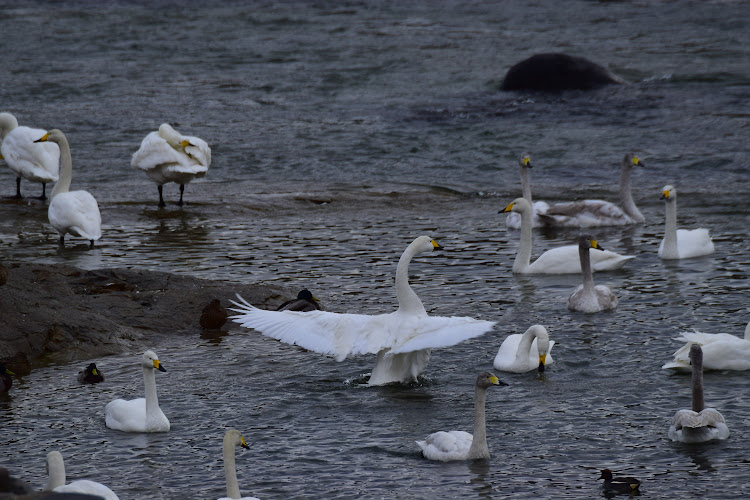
561, 260
401, 339
721, 351
681, 243
232, 439
56, 480
513, 221
521, 353
168, 156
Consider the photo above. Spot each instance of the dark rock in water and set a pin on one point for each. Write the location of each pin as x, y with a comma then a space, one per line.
213, 316
556, 72
9, 484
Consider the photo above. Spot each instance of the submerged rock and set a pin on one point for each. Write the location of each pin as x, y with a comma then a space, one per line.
555, 72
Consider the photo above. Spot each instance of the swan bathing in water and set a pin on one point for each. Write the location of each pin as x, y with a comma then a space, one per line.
513, 220
721, 351
36, 162
56, 481
232, 439
401, 339
522, 353
681, 243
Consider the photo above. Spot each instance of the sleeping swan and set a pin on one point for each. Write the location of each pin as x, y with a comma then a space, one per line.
71, 212
513, 220
460, 445
232, 439
139, 415
721, 351
401, 339
681, 243
587, 297
700, 424
522, 353
593, 213
561, 260
167, 156
56, 481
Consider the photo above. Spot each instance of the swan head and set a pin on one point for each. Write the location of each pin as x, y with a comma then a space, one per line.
234, 438
696, 357
54, 135
631, 160
7, 123
587, 241
542, 344
487, 379
519, 205
424, 244
172, 137
525, 161
668, 193
151, 360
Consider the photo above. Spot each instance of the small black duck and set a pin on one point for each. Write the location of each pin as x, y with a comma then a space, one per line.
90, 375
213, 316
618, 484
304, 302
5, 381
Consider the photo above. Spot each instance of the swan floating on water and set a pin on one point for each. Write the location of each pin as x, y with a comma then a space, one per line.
681, 243
402, 339
561, 260
513, 220
721, 351
700, 424
71, 212
232, 439
460, 445
587, 297
594, 213
33, 161
56, 481
168, 156
521, 353
142, 414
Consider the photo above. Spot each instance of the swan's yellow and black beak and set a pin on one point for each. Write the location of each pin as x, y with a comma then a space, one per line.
526, 162
158, 366
542, 359
243, 443
664, 195
44, 138
506, 209
496, 381
185, 143
637, 162
435, 245
595, 244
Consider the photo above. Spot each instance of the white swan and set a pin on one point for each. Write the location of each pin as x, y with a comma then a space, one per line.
232, 439
56, 480
401, 339
73, 212
167, 156
681, 243
139, 415
587, 297
721, 351
561, 260
513, 220
521, 353
593, 213
460, 445
32, 161
700, 424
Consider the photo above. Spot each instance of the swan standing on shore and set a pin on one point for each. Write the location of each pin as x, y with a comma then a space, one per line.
25, 157
587, 297
561, 260
593, 213
56, 481
167, 156
700, 424
460, 445
520, 353
721, 351
142, 414
232, 439
513, 220
71, 212
681, 243
402, 339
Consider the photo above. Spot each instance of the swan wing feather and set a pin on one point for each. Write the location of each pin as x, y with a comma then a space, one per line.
126, 415
431, 332
566, 260
446, 445
76, 212
35, 161
586, 213
88, 487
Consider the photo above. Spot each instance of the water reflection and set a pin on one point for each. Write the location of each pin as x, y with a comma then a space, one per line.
480, 482
698, 454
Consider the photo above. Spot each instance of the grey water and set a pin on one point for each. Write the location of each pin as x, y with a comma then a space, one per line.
340, 131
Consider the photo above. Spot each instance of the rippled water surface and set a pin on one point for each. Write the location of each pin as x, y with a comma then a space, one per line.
339, 133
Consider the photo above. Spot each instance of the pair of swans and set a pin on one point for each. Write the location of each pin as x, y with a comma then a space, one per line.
721, 351
460, 445
71, 212
401, 339
561, 260
587, 297
142, 414
168, 156
681, 243
33, 161
522, 353
56, 480
699, 424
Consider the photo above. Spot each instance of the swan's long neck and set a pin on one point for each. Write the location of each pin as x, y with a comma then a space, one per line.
152, 400
56, 471
670, 229
525, 184
523, 256
408, 301
747, 332
698, 401
626, 195
7, 123
588, 279
66, 168
479, 447
524, 346
230, 470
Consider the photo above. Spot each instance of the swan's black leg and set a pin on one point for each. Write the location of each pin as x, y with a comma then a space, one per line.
161, 198
18, 189
44, 192
182, 190
62, 240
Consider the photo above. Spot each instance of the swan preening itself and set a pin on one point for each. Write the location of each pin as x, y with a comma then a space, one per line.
721, 351
71, 212
460, 445
521, 353
699, 424
142, 414
168, 156
587, 297
401, 339
561, 260
513, 220
56, 480
593, 213
681, 243
232, 439
618, 484
27, 158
